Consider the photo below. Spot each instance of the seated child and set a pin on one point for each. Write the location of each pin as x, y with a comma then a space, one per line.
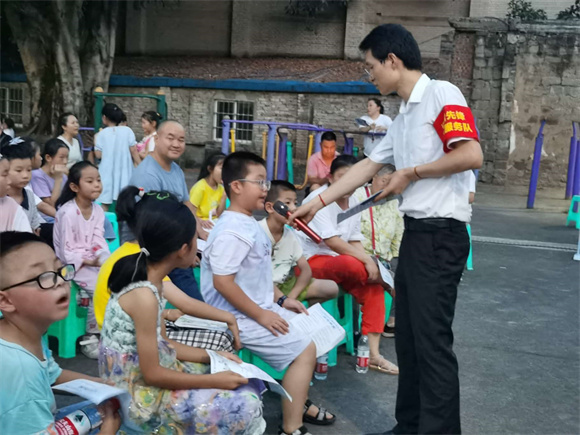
382, 227
236, 275
49, 180
12, 216
20, 158
170, 385
34, 293
207, 195
207, 339
287, 251
79, 230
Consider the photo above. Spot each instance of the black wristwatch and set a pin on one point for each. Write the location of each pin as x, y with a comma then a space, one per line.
281, 300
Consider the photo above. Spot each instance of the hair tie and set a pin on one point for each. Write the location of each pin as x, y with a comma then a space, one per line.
16, 141
141, 192
142, 252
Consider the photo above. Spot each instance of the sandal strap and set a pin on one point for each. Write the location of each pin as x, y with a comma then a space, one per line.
307, 405
302, 430
321, 413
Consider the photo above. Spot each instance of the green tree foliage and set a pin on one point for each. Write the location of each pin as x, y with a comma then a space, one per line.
570, 13
523, 10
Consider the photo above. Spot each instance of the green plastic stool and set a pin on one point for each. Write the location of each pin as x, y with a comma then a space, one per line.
574, 212
68, 330
113, 244
470, 258
247, 356
388, 303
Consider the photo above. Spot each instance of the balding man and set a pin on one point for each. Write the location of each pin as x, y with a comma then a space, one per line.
158, 171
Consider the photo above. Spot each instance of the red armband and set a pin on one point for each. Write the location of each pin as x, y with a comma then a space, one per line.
455, 121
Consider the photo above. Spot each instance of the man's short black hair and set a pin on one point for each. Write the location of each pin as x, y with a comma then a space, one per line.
20, 151
328, 135
277, 187
393, 38
236, 167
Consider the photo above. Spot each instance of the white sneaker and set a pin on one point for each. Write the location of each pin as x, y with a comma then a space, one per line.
90, 348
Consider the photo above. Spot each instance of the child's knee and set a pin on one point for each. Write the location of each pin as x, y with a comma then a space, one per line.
308, 354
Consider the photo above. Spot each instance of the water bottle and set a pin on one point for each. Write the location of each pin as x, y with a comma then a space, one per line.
362, 355
82, 421
321, 371
83, 298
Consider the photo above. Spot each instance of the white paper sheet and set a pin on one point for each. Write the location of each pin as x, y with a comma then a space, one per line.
97, 393
321, 327
201, 244
250, 371
197, 323
386, 275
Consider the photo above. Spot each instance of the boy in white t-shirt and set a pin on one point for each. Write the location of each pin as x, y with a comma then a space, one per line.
287, 251
236, 276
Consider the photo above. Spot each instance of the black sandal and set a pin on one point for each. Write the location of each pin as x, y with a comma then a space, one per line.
321, 419
302, 430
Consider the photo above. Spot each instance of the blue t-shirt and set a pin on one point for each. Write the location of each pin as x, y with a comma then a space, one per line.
27, 403
151, 176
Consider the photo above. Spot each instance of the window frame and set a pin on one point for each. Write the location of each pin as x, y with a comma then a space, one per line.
6, 98
235, 114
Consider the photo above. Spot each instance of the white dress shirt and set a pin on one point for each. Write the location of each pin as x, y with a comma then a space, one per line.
413, 140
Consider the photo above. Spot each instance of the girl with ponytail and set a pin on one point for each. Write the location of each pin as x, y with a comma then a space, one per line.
170, 384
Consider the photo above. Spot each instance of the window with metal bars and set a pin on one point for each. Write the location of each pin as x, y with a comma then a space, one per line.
240, 110
12, 104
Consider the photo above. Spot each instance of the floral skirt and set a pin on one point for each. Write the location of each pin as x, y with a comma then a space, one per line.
202, 411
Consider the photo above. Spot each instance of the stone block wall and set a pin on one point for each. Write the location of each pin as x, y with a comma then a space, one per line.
520, 75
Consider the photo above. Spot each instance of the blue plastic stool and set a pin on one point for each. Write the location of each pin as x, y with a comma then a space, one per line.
68, 330
574, 212
470, 258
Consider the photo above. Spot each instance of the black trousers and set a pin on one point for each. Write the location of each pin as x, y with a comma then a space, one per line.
431, 260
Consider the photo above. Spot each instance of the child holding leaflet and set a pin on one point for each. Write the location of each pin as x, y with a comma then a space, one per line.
79, 237
236, 276
34, 293
171, 388
287, 251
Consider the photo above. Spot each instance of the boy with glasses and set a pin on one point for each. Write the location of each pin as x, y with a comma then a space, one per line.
236, 276
34, 293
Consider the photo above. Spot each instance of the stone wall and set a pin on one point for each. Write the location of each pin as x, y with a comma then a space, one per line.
521, 74
499, 8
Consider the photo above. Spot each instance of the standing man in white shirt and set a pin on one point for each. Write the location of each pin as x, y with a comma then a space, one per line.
433, 142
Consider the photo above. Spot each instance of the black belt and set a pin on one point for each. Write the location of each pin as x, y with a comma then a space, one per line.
432, 224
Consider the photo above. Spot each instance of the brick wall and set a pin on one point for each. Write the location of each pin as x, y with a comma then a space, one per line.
499, 8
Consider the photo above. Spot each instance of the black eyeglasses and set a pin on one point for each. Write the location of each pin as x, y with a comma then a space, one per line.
48, 280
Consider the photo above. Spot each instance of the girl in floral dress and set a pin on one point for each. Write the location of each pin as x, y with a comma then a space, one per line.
170, 383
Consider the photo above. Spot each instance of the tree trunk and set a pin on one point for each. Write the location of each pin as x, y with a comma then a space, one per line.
67, 49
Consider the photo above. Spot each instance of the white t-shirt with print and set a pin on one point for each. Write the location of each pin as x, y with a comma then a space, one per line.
285, 253
237, 245
324, 224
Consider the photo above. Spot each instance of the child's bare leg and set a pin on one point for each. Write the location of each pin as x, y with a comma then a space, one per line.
297, 382
321, 290
374, 341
